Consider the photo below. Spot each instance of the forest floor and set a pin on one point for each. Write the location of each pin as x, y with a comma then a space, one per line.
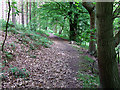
54, 67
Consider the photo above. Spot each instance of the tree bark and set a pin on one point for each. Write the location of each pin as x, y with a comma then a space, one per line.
22, 13
90, 8
72, 32
108, 69
19, 7
92, 47
27, 12
30, 11
76, 24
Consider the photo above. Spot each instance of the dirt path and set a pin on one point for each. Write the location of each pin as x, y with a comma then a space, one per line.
63, 47
54, 67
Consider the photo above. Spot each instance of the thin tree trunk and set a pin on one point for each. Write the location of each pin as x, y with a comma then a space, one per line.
30, 13
90, 8
6, 11
2, 9
55, 28
75, 25
34, 14
27, 12
6, 26
13, 16
30, 10
22, 13
19, 16
108, 68
92, 47
60, 31
72, 32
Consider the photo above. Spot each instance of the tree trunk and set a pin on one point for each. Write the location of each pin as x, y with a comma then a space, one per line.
22, 14
6, 26
76, 24
92, 47
2, 9
34, 15
13, 16
108, 69
60, 31
90, 8
19, 16
72, 32
55, 28
6, 12
27, 12
30, 11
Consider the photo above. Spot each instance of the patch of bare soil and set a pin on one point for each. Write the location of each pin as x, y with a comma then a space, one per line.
54, 67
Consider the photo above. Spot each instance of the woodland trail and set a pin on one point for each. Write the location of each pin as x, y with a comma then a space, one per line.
54, 67
72, 61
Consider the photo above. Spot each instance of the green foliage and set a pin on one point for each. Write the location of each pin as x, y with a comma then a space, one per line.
13, 5
89, 81
18, 73
89, 59
8, 55
38, 37
3, 24
13, 71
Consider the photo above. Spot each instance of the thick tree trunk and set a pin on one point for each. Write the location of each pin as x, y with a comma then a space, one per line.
108, 69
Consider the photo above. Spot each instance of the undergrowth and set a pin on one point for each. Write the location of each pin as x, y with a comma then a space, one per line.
88, 74
89, 81
25, 35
